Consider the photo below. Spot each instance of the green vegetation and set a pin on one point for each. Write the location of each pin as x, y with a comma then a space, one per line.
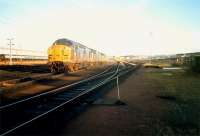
195, 64
182, 93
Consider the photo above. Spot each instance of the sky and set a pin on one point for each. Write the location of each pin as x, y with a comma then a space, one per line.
115, 27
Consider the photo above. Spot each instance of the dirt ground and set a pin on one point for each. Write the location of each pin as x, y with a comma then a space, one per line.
143, 115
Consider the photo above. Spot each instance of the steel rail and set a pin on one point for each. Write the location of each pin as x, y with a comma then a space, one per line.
110, 78
39, 116
54, 90
36, 77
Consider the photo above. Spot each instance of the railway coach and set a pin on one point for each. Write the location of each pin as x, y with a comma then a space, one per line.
67, 55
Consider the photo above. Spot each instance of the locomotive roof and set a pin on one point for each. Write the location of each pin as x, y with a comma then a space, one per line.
63, 42
67, 42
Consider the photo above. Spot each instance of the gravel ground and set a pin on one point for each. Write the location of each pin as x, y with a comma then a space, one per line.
9, 75
8, 72
141, 116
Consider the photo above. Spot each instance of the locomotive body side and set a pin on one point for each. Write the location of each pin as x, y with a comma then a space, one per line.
66, 55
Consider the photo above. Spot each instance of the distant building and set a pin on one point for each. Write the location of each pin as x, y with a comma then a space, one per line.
22, 57
23, 54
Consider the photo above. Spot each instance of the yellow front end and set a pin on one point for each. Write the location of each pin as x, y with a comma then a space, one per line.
59, 53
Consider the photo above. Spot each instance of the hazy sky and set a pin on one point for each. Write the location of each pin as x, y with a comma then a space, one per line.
116, 27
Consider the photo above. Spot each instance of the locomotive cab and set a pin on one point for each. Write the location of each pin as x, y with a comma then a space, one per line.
59, 54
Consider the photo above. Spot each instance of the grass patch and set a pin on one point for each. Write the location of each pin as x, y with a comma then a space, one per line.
182, 91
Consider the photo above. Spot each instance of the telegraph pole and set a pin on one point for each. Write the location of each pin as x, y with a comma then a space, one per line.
10, 44
118, 94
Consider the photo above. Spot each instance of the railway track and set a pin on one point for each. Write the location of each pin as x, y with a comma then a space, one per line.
26, 68
37, 79
21, 113
20, 82
28, 79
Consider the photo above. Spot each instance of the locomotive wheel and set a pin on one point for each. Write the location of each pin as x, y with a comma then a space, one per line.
56, 68
52, 68
69, 68
60, 67
75, 67
66, 69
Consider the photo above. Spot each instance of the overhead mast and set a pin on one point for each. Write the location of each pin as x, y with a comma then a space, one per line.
10, 46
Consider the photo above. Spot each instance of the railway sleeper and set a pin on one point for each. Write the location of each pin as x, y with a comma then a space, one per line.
41, 110
71, 95
61, 98
77, 90
80, 89
68, 93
